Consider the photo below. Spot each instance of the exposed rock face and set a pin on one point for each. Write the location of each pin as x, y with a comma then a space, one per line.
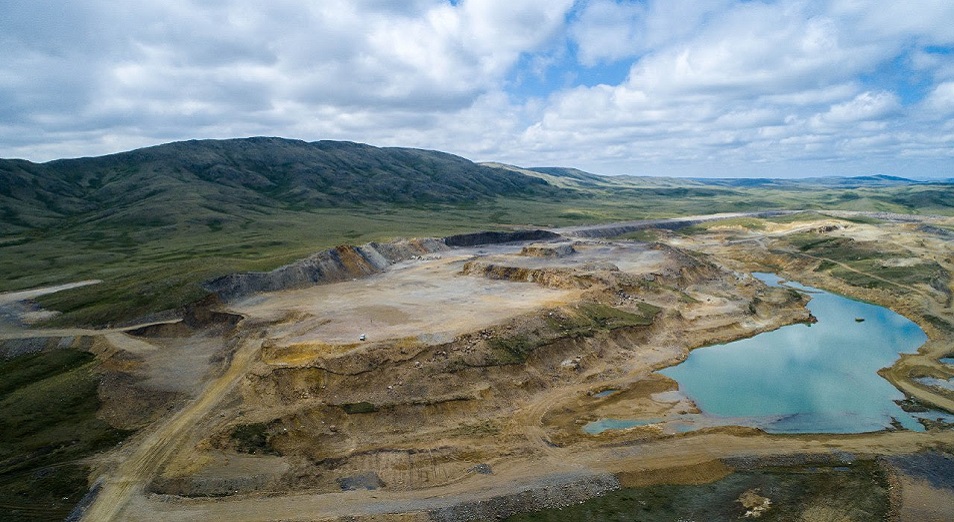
562, 250
350, 262
486, 238
337, 264
550, 277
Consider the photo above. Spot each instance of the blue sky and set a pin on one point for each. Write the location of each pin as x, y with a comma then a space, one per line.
673, 87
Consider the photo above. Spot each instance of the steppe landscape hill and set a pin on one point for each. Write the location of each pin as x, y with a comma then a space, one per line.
214, 181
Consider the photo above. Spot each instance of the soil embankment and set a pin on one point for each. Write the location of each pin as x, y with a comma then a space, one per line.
341, 263
619, 229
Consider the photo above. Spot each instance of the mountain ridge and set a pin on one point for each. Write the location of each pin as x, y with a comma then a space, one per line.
200, 175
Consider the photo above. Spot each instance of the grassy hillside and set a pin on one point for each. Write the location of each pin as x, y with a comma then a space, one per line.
210, 183
155, 222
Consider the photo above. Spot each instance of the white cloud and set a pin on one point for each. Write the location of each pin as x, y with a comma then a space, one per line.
715, 86
607, 30
940, 103
864, 107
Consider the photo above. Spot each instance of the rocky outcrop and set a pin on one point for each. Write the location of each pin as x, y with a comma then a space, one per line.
549, 277
337, 264
561, 250
351, 262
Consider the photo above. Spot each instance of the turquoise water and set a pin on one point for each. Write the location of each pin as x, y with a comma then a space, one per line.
819, 378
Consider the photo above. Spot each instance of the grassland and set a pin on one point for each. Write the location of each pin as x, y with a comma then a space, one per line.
146, 269
49, 425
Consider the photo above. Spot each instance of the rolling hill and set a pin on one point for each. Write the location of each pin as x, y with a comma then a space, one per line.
214, 181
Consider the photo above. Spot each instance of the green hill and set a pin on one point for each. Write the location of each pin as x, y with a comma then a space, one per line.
216, 181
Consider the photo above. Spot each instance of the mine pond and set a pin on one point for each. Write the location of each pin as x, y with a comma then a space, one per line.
817, 378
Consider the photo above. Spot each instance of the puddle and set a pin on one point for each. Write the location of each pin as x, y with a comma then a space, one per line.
597, 427
943, 384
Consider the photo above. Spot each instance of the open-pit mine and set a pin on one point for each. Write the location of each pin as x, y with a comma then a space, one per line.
453, 378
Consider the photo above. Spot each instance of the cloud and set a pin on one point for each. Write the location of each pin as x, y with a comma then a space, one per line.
940, 103
606, 30
756, 82
722, 86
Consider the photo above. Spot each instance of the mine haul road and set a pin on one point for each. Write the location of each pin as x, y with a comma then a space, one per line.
145, 461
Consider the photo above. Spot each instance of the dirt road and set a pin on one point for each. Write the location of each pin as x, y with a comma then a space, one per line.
145, 461
519, 475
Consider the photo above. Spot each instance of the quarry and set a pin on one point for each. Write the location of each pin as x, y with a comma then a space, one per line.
451, 378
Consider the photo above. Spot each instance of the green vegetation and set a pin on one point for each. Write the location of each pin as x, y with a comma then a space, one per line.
862, 264
742, 222
252, 438
48, 425
359, 407
855, 492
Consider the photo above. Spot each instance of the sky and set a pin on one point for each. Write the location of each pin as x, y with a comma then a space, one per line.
725, 88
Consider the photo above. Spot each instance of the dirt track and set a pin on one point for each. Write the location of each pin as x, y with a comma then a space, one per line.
148, 456
520, 475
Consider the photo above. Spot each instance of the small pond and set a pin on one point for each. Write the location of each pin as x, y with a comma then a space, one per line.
819, 378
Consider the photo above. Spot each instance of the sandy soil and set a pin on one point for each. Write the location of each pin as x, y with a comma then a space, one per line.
420, 299
922, 502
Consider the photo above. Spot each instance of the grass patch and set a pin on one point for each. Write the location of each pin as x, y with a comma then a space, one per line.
747, 223
253, 438
939, 323
609, 318
865, 262
48, 424
355, 408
